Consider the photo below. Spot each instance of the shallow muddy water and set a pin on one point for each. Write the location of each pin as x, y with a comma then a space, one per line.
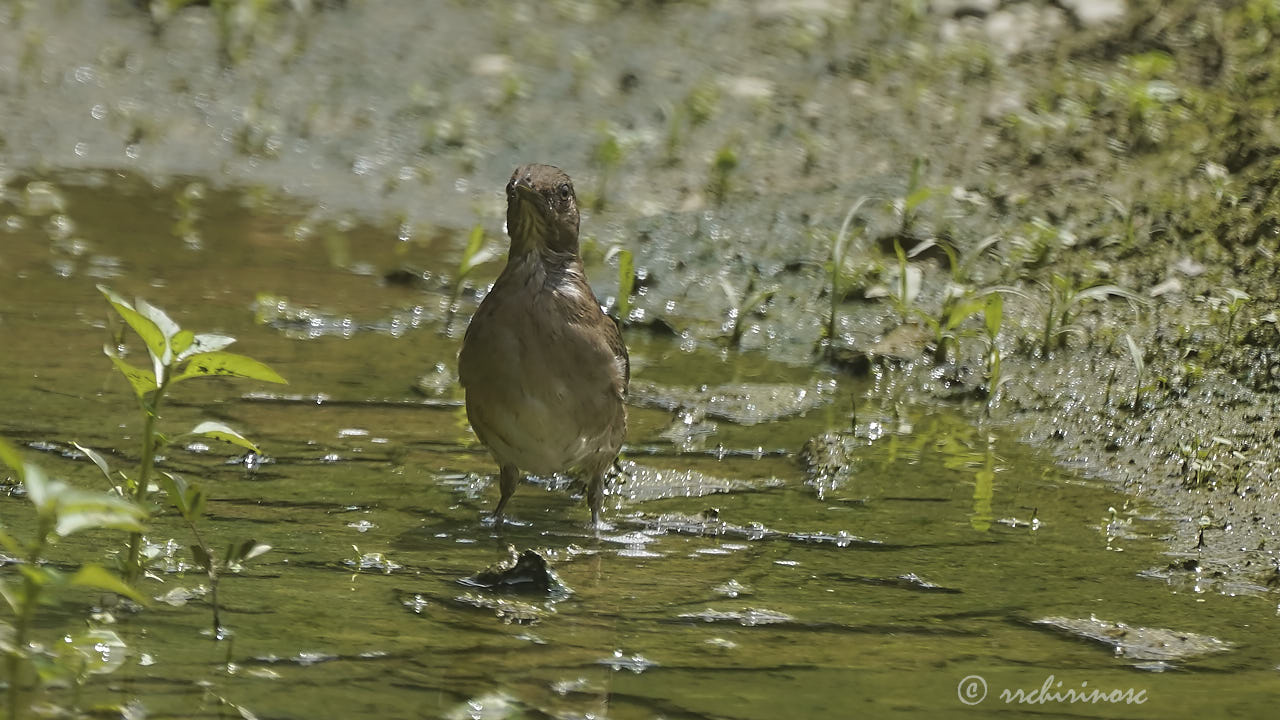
913, 586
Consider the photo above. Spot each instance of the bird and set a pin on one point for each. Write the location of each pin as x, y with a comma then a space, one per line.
544, 369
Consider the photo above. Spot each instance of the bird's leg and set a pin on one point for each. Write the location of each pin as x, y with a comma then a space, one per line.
507, 479
595, 496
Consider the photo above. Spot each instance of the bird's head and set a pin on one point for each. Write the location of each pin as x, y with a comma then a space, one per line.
542, 211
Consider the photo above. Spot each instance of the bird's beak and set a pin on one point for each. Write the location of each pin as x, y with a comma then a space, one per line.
529, 196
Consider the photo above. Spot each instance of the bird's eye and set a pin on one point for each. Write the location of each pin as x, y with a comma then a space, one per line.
511, 186
564, 191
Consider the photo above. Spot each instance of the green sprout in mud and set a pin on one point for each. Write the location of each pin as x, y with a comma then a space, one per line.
839, 249
1065, 300
626, 281
1198, 463
474, 255
606, 158
993, 317
1128, 220
908, 282
1140, 366
907, 207
176, 356
702, 102
741, 304
60, 510
1232, 303
723, 166
958, 305
961, 301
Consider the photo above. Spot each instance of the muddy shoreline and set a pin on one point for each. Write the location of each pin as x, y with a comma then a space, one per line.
724, 149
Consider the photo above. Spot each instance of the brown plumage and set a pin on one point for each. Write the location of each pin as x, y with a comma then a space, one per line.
545, 370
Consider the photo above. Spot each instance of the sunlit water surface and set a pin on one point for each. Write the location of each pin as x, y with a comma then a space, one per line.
883, 596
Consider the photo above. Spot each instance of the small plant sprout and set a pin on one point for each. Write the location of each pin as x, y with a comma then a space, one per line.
993, 317
626, 281
742, 304
907, 207
909, 280
1140, 365
961, 261
474, 255
835, 268
958, 305
702, 102
723, 166
606, 157
178, 355
60, 510
1065, 299
1232, 302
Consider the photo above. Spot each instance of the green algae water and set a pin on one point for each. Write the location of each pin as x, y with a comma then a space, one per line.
942, 575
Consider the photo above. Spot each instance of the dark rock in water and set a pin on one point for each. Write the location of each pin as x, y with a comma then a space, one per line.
522, 572
1138, 643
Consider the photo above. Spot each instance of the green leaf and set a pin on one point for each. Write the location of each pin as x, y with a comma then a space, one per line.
151, 334
96, 458
475, 254
143, 381
1098, 292
96, 576
219, 431
243, 551
201, 556
11, 596
626, 273
181, 342
10, 544
10, 456
84, 510
188, 498
93, 652
963, 311
225, 364
913, 201
252, 549
203, 343
40, 489
167, 326
993, 314
475, 261
1135, 354
730, 293
41, 575
475, 241
755, 301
